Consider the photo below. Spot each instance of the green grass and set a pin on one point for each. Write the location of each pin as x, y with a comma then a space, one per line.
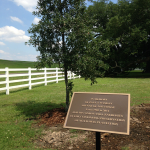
85, 139
73, 130
18, 110
74, 136
20, 64
124, 148
16, 64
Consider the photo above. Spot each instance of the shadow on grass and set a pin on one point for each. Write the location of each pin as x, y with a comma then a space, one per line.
133, 75
31, 109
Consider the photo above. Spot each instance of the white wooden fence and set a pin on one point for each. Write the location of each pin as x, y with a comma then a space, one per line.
53, 72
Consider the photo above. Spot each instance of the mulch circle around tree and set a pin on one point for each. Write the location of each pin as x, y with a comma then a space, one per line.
56, 137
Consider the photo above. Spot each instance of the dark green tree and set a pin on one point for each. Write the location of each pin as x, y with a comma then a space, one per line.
62, 36
126, 26
129, 28
141, 19
100, 13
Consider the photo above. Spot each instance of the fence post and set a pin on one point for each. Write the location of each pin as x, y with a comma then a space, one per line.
73, 75
29, 72
7, 80
45, 76
70, 74
56, 75
79, 75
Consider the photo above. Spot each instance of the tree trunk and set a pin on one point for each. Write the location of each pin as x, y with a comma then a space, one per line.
65, 70
67, 91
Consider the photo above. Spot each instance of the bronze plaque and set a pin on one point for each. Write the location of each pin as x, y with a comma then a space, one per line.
101, 112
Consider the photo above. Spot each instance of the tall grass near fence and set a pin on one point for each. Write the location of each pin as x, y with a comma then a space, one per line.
18, 130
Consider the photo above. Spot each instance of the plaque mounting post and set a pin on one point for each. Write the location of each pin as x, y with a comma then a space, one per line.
98, 141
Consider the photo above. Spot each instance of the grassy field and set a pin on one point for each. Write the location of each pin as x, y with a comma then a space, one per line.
20, 64
17, 131
16, 64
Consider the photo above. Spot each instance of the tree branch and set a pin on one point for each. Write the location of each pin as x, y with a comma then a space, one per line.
97, 35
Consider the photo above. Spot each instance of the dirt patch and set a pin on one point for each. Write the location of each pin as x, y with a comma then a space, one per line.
56, 137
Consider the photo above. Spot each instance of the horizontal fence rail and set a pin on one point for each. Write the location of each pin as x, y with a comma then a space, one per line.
55, 74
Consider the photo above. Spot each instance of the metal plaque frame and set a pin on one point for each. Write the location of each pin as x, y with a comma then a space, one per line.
100, 112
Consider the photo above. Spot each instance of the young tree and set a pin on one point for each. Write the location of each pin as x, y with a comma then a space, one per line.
62, 36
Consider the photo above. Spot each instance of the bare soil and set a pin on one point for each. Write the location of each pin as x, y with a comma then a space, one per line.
55, 136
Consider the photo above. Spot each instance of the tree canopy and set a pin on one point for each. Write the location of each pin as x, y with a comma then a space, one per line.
127, 26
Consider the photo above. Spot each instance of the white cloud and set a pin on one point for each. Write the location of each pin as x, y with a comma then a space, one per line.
2, 52
1, 43
29, 5
36, 20
16, 19
12, 34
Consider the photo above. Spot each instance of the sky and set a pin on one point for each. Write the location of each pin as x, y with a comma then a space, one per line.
15, 20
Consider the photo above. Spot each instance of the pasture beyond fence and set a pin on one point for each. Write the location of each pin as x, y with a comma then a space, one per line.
54, 74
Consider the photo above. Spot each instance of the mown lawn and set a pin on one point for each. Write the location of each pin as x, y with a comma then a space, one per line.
16, 129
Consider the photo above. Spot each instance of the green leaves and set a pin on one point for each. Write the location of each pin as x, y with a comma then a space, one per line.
125, 26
